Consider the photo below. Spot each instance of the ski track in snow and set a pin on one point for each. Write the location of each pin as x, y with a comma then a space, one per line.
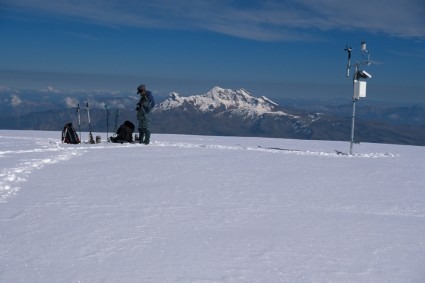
46, 151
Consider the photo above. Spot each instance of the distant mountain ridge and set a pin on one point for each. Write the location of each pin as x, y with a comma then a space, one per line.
219, 112
238, 102
230, 112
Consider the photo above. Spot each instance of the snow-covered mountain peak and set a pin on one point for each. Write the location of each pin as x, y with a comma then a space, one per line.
237, 101
174, 96
219, 93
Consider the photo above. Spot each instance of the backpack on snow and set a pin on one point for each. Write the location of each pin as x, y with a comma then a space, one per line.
69, 135
124, 133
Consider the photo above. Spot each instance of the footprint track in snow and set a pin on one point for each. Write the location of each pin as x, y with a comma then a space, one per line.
41, 152
36, 153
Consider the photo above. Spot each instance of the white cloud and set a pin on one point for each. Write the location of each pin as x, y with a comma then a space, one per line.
71, 102
15, 100
51, 89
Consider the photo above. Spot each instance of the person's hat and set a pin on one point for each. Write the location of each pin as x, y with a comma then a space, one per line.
140, 88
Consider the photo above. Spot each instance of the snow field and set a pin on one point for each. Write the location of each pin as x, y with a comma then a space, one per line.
209, 209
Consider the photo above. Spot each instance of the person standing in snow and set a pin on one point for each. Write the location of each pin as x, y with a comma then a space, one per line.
144, 107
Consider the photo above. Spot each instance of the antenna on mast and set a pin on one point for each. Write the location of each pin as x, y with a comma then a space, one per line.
348, 49
359, 81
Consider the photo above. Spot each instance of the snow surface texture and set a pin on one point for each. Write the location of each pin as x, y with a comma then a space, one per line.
209, 209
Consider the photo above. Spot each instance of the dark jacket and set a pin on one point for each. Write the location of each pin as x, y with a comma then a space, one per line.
146, 102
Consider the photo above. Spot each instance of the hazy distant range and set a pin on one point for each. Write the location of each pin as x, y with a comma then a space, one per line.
217, 112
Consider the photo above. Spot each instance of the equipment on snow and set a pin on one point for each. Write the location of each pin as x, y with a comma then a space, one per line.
107, 122
124, 133
91, 140
69, 135
79, 119
116, 119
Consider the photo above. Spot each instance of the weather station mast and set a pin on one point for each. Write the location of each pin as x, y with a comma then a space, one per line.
359, 82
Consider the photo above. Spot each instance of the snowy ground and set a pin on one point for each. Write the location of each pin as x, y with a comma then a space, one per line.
209, 209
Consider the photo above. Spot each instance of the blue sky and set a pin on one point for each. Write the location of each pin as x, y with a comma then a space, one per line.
292, 49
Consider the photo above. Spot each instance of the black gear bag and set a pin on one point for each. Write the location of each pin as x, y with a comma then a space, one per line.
69, 135
124, 133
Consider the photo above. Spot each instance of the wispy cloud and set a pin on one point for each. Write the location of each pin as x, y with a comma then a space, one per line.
71, 102
15, 100
259, 20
